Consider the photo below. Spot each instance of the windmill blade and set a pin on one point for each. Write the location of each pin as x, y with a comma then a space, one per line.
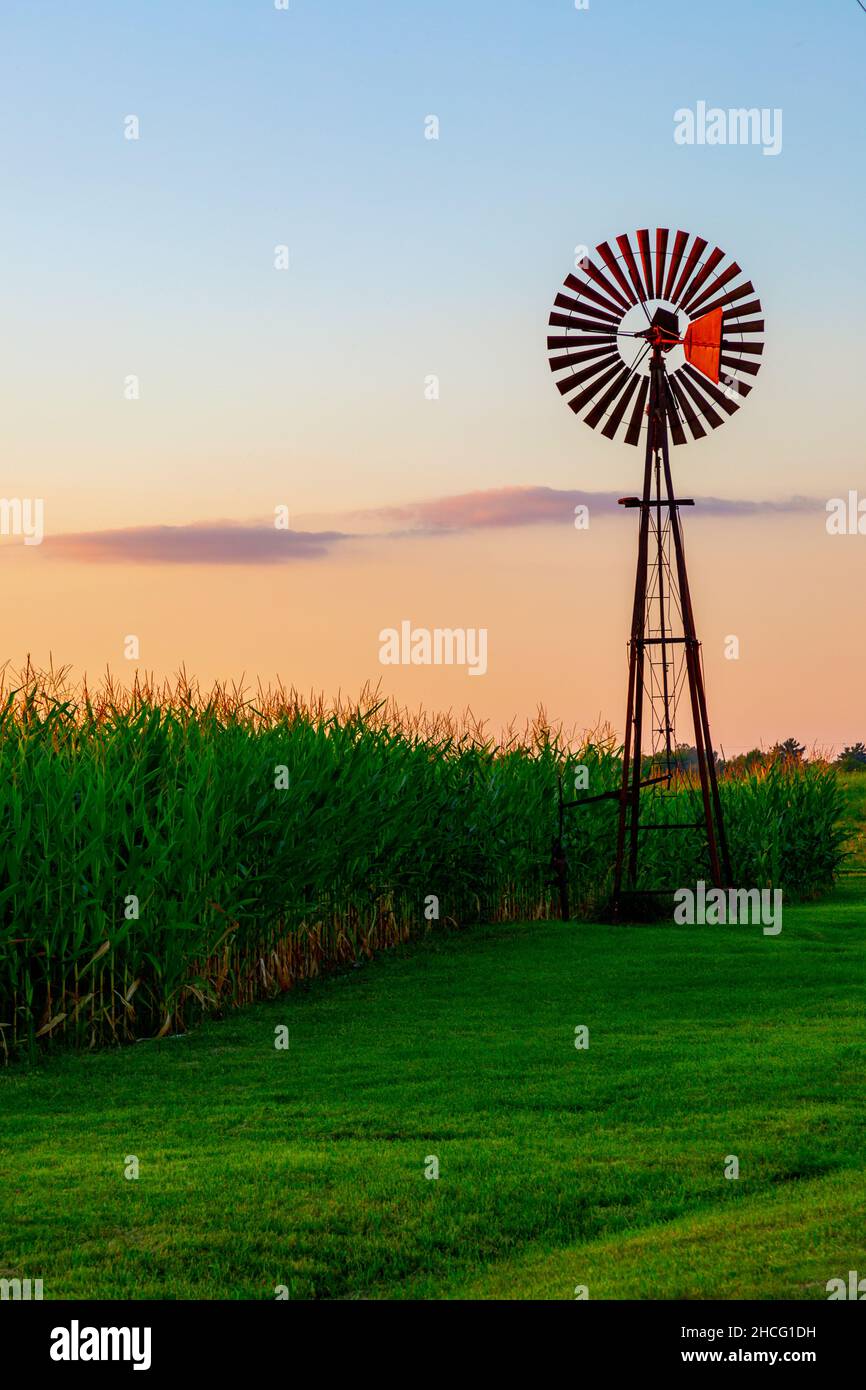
628, 256
731, 296
573, 359
746, 326
700, 277
694, 305
736, 387
562, 321
685, 274
615, 417
742, 311
601, 279
712, 418
613, 266
587, 292
577, 378
712, 391
583, 340
592, 391
737, 364
632, 434
577, 306
643, 242
685, 405
756, 348
610, 395
680, 243
678, 434
661, 253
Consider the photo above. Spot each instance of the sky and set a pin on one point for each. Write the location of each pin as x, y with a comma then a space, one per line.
152, 261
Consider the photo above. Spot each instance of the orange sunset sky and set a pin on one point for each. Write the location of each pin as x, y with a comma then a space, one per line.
257, 387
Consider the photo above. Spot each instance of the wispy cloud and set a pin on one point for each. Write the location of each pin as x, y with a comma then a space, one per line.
260, 543
533, 506
202, 543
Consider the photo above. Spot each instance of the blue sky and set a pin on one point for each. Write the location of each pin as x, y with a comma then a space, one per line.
407, 256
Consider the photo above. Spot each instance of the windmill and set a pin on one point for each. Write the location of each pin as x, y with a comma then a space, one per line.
659, 343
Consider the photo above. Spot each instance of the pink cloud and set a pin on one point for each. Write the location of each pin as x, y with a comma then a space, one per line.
260, 543
203, 543
533, 506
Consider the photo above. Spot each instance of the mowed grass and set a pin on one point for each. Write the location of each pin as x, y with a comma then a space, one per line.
306, 1167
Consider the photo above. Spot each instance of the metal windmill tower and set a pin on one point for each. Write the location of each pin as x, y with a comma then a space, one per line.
654, 344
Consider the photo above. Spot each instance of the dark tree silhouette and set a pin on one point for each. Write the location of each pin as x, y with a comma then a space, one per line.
790, 750
852, 758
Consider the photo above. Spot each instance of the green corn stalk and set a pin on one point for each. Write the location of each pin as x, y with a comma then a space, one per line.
151, 871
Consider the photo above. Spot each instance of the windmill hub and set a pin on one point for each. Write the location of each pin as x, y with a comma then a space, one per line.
664, 329
655, 322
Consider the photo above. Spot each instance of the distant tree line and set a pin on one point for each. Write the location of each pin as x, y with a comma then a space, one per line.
685, 757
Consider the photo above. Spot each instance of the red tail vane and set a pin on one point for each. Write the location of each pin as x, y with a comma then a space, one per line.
703, 344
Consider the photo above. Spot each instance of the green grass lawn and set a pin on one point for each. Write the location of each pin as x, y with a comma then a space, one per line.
558, 1167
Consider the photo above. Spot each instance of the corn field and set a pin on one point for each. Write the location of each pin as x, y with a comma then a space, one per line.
167, 852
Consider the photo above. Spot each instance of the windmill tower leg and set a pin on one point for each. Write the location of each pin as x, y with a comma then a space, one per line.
631, 760
717, 844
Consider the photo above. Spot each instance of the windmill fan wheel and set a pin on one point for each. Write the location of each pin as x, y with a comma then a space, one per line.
693, 302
